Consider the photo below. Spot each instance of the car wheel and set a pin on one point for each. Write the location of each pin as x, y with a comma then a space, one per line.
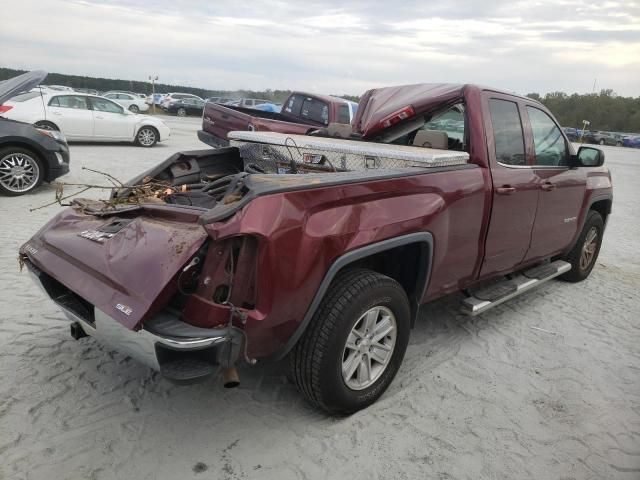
147, 137
182, 112
21, 171
618, 144
355, 343
584, 253
134, 109
46, 126
601, 142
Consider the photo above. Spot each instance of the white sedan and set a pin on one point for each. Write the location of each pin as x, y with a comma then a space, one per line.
83, 117
132, 103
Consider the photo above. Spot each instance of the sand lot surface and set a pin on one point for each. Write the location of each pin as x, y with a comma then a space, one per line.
546, 386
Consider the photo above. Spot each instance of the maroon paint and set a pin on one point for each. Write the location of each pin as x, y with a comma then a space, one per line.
301, 233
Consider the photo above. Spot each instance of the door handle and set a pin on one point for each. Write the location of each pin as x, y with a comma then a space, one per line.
56, 113
98, 116
548, 186
506, 190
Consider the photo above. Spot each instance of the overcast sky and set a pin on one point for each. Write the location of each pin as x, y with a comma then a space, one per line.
332, 46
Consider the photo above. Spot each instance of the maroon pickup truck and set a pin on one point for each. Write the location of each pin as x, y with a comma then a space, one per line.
301, 113
323, 249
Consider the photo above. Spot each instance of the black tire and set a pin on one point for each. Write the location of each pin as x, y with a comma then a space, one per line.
601, 142
46, 125
134, 109
147, 136
182, 112
19, 156
579, 271
618, 144
316, 360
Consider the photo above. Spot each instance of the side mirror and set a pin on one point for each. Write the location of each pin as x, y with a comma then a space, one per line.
589, 157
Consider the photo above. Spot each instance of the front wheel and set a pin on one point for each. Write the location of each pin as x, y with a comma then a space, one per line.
147, 137
601, 142
182, 112
584, 253
355, 343
21, 171
134, 109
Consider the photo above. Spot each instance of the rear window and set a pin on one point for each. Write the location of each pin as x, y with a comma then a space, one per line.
24, 97
315, 110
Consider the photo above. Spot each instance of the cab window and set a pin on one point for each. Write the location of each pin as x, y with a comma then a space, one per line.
507, 132
315, 110
104, 105
344, 116
69, 101
550, 145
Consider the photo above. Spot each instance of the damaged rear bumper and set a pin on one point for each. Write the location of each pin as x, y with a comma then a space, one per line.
180, 352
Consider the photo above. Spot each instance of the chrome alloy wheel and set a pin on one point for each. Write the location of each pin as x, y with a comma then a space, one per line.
369, 348
146, 137
19, 172
589, 248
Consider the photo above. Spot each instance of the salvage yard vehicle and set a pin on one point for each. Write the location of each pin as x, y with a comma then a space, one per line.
323, 249
82, 117
186, 106
300, 113
169, 97
28, 155
133, 103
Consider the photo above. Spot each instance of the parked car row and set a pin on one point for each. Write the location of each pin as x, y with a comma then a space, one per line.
598, 137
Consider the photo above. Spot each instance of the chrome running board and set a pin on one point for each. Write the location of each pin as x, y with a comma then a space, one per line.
482, 300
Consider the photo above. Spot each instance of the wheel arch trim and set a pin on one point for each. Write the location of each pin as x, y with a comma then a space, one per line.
425, 239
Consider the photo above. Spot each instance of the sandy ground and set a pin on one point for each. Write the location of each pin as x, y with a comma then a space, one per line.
485, 398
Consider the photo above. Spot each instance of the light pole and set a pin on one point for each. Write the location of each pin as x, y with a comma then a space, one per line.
153, 80
585, 123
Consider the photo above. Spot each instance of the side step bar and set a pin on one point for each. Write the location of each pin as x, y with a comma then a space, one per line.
482, 300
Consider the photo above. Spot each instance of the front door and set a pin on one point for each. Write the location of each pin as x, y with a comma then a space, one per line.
515, 194
561, 188
111, 121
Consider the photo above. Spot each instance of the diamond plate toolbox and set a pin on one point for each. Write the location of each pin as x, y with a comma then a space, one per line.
283, 153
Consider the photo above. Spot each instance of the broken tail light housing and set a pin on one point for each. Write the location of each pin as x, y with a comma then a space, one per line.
397, 116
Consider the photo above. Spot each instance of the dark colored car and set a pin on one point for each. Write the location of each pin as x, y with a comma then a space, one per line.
571, 133
603, 138
631, 141
186, 106
28, 155
328, 263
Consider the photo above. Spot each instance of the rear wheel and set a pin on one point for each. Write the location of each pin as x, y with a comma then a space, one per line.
147, 137
355, 343
182, 112
21, 171
134, 109
584, 253
601, 142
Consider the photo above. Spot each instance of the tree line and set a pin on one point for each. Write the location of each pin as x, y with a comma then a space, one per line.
106, 84
605, 110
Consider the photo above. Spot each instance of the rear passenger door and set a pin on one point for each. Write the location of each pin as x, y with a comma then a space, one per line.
514, 190
561, 188
71, 113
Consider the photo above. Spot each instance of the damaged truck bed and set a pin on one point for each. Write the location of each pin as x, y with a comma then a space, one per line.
318, 248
